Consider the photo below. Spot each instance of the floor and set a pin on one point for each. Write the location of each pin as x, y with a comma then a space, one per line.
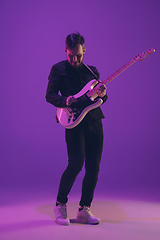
32, 217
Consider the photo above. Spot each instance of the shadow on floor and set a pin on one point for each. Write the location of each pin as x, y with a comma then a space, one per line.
108, 212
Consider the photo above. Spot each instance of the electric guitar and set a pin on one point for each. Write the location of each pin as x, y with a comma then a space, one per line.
87, 98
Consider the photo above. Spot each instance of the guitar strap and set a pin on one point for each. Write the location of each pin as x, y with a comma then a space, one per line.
92, 72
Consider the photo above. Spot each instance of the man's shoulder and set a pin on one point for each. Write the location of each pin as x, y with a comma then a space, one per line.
93, 68
90, 66
58, 70
60, 65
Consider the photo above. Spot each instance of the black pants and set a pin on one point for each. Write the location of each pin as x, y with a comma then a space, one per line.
84, 144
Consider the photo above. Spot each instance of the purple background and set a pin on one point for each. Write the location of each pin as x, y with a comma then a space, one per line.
33, 152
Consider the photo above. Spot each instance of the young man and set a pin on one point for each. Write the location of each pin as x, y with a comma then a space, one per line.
85, 141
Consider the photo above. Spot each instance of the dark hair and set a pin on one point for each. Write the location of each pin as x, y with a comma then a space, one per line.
73, 39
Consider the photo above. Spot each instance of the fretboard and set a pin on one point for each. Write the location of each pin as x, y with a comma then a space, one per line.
111, 77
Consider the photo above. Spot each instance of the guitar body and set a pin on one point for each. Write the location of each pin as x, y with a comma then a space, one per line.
70, 117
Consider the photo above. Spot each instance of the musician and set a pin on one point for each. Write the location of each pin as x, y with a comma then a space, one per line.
85, 141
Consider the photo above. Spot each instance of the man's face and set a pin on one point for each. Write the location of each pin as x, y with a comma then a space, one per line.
75, 55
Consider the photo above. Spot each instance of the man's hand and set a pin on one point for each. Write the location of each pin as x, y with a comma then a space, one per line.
101, 90
70, 100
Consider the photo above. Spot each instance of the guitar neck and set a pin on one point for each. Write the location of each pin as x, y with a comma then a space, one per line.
111, 77
116, 73
139, 57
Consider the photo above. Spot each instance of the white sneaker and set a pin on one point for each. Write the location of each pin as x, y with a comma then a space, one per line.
61, 214
85, 216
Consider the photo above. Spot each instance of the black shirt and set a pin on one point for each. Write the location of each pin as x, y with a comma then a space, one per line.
66, 80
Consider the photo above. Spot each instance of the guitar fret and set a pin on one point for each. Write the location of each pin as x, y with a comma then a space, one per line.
120, 70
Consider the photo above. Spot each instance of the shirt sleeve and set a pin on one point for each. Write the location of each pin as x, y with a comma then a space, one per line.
104, 98
53, 88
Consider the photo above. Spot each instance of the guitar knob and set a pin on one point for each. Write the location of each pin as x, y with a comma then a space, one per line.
69, 119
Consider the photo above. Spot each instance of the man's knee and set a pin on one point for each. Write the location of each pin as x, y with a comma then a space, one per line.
75, 167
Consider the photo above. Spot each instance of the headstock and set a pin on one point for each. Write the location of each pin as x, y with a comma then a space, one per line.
141, 56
